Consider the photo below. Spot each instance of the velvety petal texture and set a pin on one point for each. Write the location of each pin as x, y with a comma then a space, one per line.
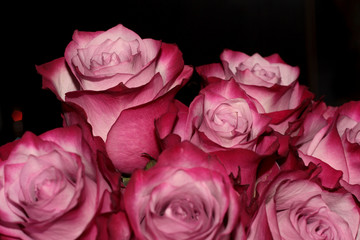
186, 195
48, 185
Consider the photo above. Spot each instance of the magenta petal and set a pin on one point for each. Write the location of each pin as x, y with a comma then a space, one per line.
259, 228
202, 141
243, 162
6, 149
142, 77
190, 157
82, 38
268, 145
133, 134
331, 151
119, 31
354, 189
57, 78
170, 141
119, 226
182, 114
101, 109
112, 226
69, 138
170, 62
328, 175
351, 109
274, 58
231, 60
211, 70
7, 233
181, 80
165, 124
352, 153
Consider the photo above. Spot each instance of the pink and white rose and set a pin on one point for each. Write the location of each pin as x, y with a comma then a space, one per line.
331, 138
221, 117
108, 73
50, 186
296, 206
269, 81
186, 195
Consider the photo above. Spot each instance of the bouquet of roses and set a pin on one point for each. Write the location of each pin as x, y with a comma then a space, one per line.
253, 156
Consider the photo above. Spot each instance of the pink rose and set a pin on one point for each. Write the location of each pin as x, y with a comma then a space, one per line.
186, 195
49, 184
222, 120
107, 74
269, 81
296, 206
221, 117
331, 138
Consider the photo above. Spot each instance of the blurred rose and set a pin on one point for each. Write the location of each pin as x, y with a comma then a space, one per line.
269, 81
186, 195
108, 73
331, 138
49, 185
295, 206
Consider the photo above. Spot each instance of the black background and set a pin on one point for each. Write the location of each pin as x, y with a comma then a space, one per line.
322, 37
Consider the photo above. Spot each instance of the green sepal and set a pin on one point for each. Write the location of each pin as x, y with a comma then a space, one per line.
125, 180
151, 163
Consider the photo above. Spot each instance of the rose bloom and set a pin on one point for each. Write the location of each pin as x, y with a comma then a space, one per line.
331, 138
50, 187
119, 81
269, 81
186, 195
296, 206
221, 117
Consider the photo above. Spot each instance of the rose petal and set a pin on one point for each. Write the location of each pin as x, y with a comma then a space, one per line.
191, 156
211, 70
103, 108
133, 134
243, 162
76, 220
328, 175
170, 62
57, 78
231, 60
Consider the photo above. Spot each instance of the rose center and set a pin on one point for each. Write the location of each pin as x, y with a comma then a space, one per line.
47, 184
264, 74
231, 118
315, 223
354, 134
183, 209
104, 59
